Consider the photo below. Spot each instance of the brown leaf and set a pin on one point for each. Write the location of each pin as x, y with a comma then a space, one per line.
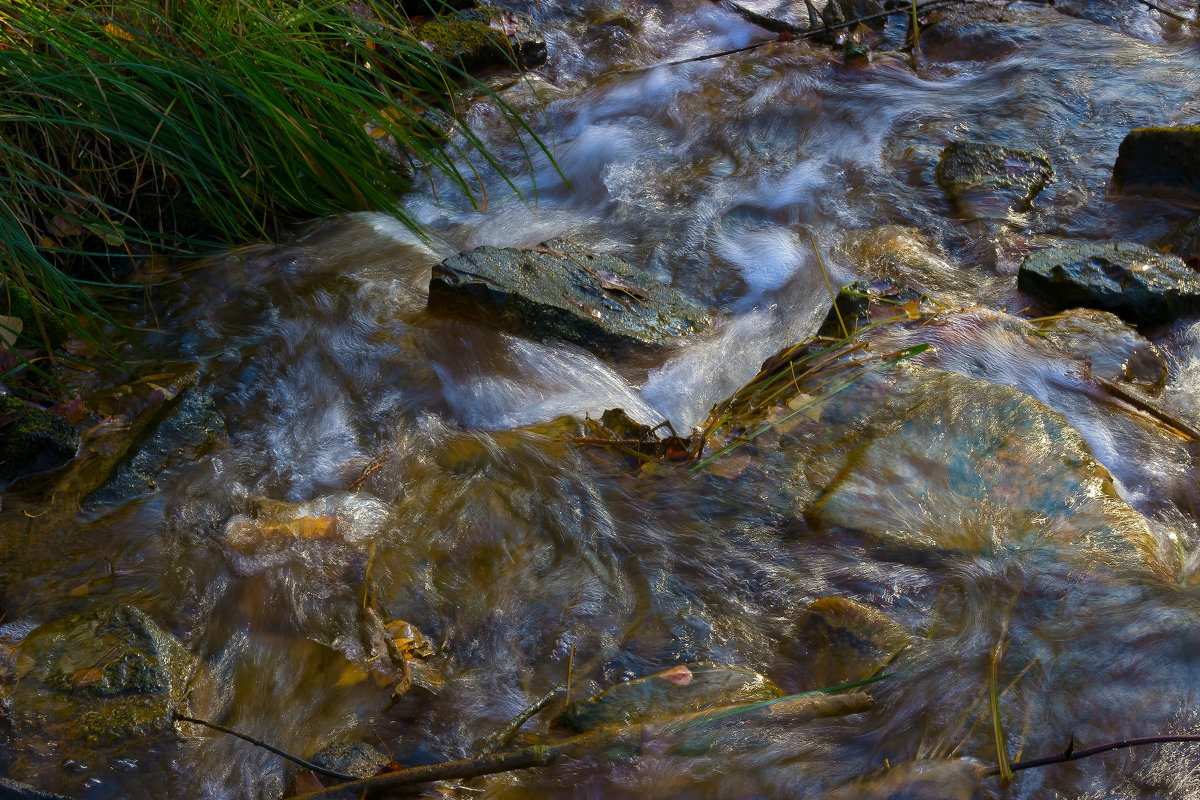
85, 677
72, 411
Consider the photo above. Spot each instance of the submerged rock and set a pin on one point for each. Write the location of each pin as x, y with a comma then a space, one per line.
680, 690
1113, 350
843, 641
100, 676
32, 440
180, 431
916, 780
1160, 161
985, 181
919, 461
598, 302
1134, 282
351, 758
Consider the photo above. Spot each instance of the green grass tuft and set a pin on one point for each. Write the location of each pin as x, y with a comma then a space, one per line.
176, 126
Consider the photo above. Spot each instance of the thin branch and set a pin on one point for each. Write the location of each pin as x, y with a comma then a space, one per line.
804, 34
1072, 754
787, 711
502, 737
341, 776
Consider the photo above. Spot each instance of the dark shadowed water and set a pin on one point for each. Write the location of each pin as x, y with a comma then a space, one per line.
515, 551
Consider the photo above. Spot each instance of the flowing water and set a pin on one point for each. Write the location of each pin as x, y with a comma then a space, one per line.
522, 556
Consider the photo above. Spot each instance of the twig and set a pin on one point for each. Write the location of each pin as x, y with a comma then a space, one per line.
1072, 754
790, 710
537, 756
804, 34
294, 759
503, 736
1160, 416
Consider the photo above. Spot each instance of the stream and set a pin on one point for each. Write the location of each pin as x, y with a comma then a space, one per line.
383, 464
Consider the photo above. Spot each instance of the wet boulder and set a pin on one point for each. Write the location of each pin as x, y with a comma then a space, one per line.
981, 467
179, 431
32, 440
1134, 282
685, 689
1160, 161
484, 37
842, 641
598, 302
111, 673
1112, 350
986, 181
916, 780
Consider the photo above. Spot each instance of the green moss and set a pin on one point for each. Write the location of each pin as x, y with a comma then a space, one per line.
471, 44
19, 304
32, 440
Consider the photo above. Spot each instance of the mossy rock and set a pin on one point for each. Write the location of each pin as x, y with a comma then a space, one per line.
16, 302
32, 440
680, 690
99, 677
470, 39
983, 466
985, 181
1160, 161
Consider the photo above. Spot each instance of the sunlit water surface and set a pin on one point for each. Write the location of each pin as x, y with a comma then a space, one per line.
513, 549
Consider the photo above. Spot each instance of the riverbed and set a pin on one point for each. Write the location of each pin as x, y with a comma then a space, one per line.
383, 464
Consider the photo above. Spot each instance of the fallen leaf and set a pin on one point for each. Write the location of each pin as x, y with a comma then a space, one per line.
10, 329
85, 677
72, 411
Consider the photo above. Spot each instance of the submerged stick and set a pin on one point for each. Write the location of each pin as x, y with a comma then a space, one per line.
341, 776
537, 756
502, 737
790, 710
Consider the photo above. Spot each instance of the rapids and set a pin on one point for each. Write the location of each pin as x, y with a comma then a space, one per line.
521, 555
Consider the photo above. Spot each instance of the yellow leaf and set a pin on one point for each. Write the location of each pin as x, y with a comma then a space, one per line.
118, 32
